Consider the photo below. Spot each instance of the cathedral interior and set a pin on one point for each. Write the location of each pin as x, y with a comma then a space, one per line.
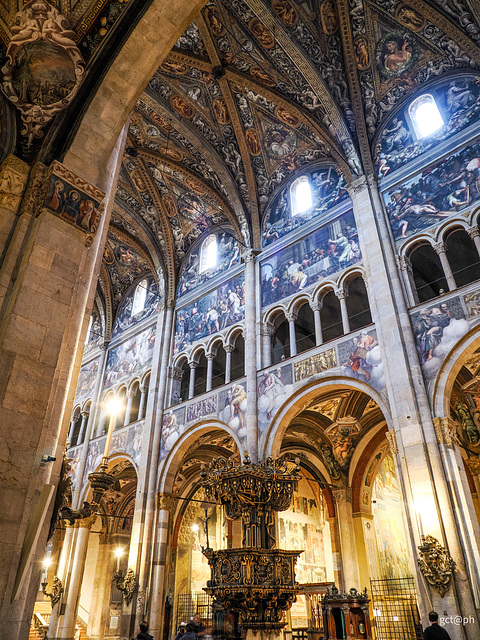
239, 240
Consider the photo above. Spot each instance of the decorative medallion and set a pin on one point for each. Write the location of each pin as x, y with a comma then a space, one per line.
436, 564
395, 53
410, 18
44, 66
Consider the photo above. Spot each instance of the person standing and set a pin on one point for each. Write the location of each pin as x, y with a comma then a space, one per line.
435, 631
143, 632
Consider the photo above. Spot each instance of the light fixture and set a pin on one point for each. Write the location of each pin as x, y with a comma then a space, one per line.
46, 563
114, 405
195, 528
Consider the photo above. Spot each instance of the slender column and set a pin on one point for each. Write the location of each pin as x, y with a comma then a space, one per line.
316, 307
291, 317
441, 251
143, 396
268, 331
166, 504
251, 355
210, 358
343, 503
474, 233
66, 626
83, 426
191, 385
71, 429
406, 269
61, 573
128, 411
341, 295
228, 362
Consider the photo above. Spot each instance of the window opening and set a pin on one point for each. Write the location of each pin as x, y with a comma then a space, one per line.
208, 257
139, 297
301, 196
425, 116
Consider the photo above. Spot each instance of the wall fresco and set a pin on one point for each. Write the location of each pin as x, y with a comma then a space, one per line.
74, 456
321, 254
228, 255
125, 320
437, 328
328, 189
459, 104
213, 312
360, 359
95, 337
435, 194
132, 357
206, 407
86, 380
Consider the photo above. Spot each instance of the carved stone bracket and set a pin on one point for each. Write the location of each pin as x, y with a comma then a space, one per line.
436, 564
126, 584
392, 441
342, 495
13, 176
56, 592
446, 431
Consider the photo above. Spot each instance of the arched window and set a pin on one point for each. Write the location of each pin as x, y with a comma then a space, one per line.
139, 297
357, 304
305, 328
208, 253
301, 195
428, 275
425, 116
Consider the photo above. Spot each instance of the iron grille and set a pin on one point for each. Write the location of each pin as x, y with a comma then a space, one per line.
395, 609
188, 604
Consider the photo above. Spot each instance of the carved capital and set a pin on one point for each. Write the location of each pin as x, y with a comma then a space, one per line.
13, 177
83, 523
404, 264
267, 329
341, 294
342, 495
210, 357
392, 441
291, 316
473, 232
446, 431
440, 247
358, 185
249, 255
192, 364
167, 502
170, 304
175, 372
229, 348
316, 305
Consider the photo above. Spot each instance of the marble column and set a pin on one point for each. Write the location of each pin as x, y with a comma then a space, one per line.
62, 573
71, 598
316, 308
143, 397
267, 331
229, 348
343, 506
406, 269
71, 430
128, 410
474, 233
81, 434
291, 317
191, 382
441, 251
342, 295
251, 355
210, 358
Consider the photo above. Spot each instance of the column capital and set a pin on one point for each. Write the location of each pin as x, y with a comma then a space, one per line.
267, 329
84, 414
392, 441
404, 264
446, 431
13, 177
473, 232
210, 357
166, 501
440, 247
316, 305
192, 364
250, 255
83, 523
342, 495
174, 372
170, 304
291, 316
131, 393
229, 348
341, 294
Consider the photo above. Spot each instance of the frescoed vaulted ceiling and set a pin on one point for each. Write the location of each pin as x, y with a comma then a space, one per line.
252, 92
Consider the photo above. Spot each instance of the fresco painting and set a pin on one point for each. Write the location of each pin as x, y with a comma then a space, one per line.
388, 522
173, 425
198, 410
131, 358
86, 380
72, 204
328, 189
437, 328
435, 194
134, 442
274, 387
125, 319
319, 255
459, 104
215, 311
228, 255
95, 335
315, 364
232, 408
74, 456
360, 358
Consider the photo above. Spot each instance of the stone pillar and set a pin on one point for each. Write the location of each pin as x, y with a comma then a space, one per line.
62, 573
166, 504
316, 308
83, 426
474, 233
291, 317
71, 429
251, 355
210, 358
406, 269
191, 382
441, 251
341, 295
143, 396
267, 332
128, 410
229, 348
343, 505
66, 624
